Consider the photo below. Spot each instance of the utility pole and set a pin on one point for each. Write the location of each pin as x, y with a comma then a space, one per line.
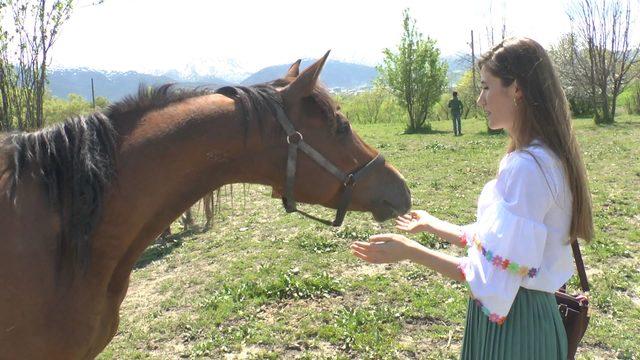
93, 95
473, 63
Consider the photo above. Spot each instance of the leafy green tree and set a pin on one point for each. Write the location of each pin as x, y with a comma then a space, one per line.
414, 74
57, 110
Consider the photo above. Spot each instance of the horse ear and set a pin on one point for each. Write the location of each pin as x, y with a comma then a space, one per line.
303, 85
294, 70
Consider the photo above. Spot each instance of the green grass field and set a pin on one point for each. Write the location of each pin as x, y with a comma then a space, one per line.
266, 285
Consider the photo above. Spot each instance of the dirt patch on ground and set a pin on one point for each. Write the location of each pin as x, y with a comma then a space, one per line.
144, 294
363, 269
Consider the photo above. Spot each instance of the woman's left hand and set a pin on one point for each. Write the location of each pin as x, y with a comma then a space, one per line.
383, 248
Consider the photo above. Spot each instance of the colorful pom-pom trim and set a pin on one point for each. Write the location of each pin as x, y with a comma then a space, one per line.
498, 260
493, 317
463, 239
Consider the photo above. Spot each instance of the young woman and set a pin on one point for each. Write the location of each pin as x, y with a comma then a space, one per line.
519, 250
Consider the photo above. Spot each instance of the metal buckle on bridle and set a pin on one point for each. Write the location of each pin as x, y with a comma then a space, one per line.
298, 135
350, 181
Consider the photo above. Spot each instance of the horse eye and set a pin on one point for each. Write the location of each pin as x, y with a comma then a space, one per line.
344, 128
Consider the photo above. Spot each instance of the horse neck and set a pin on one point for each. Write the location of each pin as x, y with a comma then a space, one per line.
169, 159
198, 140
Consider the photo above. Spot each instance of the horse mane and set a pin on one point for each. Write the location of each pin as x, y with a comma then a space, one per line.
256, 100
153, 98
74, 161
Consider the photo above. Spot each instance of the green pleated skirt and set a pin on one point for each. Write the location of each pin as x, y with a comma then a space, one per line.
533, 330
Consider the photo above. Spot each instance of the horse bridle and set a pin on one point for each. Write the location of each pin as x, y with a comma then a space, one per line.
296, 142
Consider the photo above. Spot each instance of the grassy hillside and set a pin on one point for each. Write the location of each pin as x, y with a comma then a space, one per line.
265, 285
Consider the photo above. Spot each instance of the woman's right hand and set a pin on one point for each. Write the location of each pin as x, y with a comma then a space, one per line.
416, 221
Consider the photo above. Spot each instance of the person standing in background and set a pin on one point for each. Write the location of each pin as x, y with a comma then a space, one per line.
456, 112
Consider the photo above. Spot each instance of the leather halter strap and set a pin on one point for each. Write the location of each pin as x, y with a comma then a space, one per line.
296, 142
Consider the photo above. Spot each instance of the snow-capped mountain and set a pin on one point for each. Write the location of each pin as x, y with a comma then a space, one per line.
205, 69
114, 85
335, 74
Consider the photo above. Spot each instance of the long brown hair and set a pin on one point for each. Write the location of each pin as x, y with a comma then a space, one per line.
545, 115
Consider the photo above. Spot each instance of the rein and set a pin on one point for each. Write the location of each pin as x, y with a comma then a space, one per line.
296, 142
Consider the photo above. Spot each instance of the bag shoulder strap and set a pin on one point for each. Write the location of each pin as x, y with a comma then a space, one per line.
582, 274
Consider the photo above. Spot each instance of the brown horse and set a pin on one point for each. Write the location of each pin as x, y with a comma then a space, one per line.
80, 202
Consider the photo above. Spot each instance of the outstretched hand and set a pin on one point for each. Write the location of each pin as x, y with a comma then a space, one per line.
416, 221
383, 248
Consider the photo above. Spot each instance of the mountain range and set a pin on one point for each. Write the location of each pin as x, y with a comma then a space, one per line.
336, 75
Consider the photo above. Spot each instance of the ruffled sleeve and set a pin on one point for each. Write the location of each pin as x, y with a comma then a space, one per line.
506, 243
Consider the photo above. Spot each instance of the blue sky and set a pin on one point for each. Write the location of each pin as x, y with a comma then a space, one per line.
147, 35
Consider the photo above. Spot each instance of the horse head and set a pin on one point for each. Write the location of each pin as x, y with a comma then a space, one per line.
340, 169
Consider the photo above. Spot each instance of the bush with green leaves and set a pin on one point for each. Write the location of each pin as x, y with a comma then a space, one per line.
440, 110
372, 106
56, 110
631, 98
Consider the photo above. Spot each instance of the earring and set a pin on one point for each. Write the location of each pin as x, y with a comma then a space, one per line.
515, 102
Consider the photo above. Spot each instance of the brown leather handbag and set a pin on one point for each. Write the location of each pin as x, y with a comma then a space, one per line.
574, 309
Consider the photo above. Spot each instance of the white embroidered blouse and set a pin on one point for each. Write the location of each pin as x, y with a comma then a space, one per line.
521, 236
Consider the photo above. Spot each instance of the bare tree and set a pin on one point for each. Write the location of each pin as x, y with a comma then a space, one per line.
602, 30
569, 64
489, 26
8, 77
25, 57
